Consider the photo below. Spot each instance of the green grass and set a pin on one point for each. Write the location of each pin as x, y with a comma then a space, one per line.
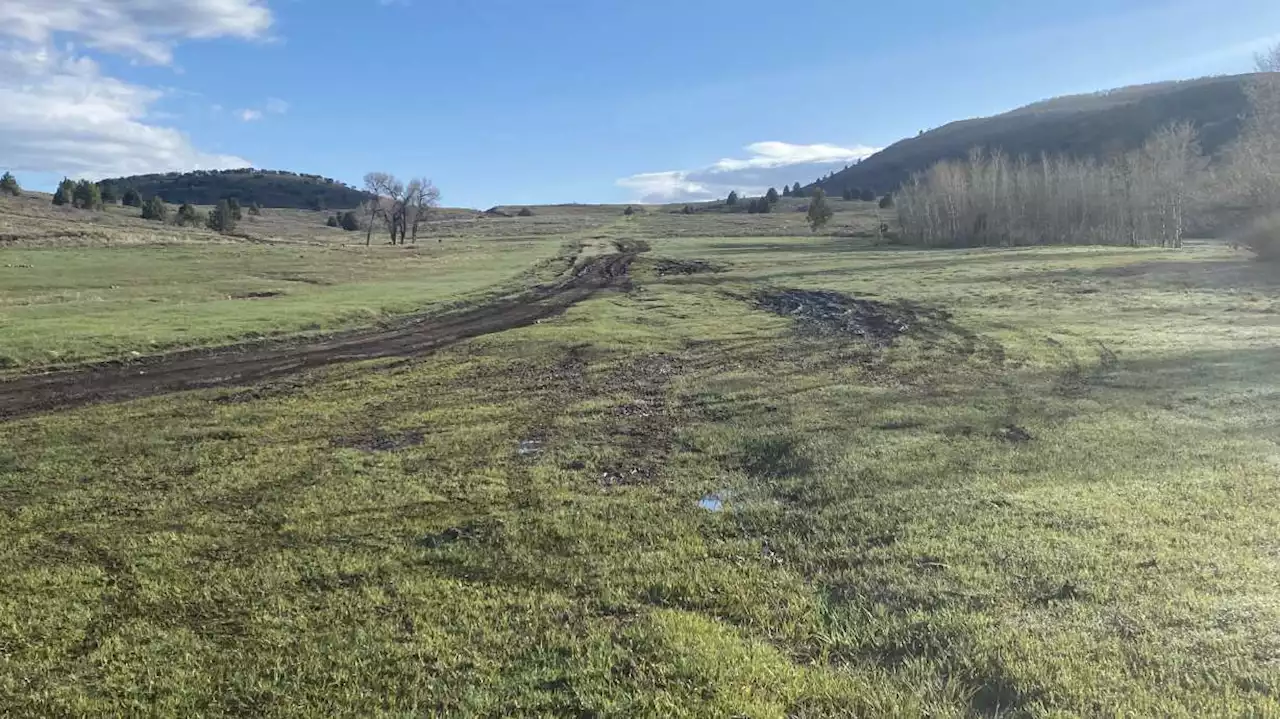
369, 540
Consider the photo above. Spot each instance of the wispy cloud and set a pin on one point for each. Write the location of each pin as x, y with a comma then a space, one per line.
64, 114
273, 106
145, 29
769, 164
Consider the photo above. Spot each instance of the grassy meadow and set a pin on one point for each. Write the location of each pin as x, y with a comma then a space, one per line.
1054, 495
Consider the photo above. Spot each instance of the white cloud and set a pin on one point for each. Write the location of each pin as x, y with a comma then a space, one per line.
147, 29
250, 115
276, 106
771, 164
63, 115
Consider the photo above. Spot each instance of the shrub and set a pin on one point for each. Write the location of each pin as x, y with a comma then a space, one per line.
1262, 236
886, 202
155, 209
688, 210
9, 185
187, 214
234, 205
350, 222
819, 210
87, 196
255, 210
629, 211
332, 221
131, 198
65, 193
221, 218
525, 212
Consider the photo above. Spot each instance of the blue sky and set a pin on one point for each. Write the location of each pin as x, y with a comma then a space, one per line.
562, 100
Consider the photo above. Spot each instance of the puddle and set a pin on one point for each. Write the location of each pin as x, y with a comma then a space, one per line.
714, 502
529, 447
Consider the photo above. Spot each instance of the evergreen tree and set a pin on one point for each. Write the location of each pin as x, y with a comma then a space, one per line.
796, 191
66, 192
847, 194
234, 204
109, 194
187, 214
332, 221
131, 198
771, 196
819, 210
9, 185
221, 218
786, 191
87, 196
867, 195
155, 209
732, 199
350, 222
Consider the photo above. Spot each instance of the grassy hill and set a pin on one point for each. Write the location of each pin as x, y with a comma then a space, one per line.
269, 188
1095, 124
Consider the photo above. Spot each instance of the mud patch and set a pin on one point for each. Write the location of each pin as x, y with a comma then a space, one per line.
685, 267
828, 313
380, 441
1013, 433
257, 295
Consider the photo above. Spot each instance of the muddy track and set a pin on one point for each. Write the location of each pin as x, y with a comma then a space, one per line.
238, 365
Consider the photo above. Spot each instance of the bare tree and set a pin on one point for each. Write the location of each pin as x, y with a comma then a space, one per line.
1268, 61
420, 199
1141, 197
402, 207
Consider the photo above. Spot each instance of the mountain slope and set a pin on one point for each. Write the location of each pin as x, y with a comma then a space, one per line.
269, 188
1097, 124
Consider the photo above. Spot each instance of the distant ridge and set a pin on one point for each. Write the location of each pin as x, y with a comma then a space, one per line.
1095, 124
268, 188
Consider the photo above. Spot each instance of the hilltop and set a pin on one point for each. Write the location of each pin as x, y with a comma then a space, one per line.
1095, 124
269, 188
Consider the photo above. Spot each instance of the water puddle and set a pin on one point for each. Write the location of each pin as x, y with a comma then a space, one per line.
714, 502
529, 447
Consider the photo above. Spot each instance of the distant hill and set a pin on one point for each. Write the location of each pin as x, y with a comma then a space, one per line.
269, 188
1096, 124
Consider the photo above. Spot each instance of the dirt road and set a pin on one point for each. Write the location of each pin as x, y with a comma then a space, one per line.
247, 364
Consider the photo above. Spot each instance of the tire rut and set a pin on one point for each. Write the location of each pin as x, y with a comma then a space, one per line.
239, 365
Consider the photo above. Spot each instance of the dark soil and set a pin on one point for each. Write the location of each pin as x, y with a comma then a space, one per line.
833, 313
242, 365
685, 267
256, 295
381, 441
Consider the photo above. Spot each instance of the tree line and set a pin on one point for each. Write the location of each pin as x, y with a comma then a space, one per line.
1142, 197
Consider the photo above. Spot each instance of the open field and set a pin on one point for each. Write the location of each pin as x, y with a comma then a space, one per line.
771, 474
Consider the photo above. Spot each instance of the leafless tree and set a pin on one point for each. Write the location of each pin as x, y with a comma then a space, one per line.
1139, 198
401, 207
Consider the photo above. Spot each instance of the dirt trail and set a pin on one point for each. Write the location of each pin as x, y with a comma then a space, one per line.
247, 364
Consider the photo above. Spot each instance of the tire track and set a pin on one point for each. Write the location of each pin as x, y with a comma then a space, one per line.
239, 365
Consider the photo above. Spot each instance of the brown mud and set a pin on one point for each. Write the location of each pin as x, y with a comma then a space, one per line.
240, 365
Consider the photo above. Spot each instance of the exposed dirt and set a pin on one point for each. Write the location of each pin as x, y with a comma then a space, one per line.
381, 441
833, 313
685, 267
248, 364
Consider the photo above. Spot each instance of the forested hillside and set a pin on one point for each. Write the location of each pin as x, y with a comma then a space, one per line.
268, 188
1100, 125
